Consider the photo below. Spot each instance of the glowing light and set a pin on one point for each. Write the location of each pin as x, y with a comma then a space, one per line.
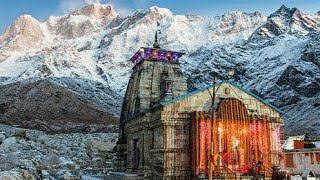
159, 54
245, 138
162, 55
155, 54
174, 58
148, 53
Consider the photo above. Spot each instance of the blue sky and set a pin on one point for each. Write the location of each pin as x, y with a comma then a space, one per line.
41, 9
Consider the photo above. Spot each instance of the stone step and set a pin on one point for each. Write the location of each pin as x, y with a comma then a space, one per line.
125, 176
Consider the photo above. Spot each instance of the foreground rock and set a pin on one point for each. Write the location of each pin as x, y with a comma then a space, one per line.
31, 154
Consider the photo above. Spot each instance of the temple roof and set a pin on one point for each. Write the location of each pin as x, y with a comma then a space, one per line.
156, 54
218, 83
164, 103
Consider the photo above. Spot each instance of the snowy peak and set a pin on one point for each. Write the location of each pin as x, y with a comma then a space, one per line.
234, 26
96, 10
154, 10
24, 30
287, 14
287, 21
25, 25
88, 19
156, 14
282, 11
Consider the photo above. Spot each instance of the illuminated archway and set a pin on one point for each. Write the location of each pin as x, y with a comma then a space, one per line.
240, 139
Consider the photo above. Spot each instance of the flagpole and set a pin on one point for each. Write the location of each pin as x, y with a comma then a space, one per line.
212, 160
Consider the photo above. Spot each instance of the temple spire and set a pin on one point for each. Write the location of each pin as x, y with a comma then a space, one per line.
156, 44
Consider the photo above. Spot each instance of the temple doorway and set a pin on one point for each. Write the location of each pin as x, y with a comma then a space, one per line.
239, 140
135, 154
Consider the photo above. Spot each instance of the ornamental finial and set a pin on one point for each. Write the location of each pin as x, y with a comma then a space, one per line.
156, 43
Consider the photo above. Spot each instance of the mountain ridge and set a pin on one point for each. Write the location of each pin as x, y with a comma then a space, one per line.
87, 52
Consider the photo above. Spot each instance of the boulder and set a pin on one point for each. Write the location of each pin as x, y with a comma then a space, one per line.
13, 159
52, 160
45, 175
2, 137
42, 138
64, 174
7, 143
28, 176
97, 146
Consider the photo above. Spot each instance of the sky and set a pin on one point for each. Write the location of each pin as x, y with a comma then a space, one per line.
41, 9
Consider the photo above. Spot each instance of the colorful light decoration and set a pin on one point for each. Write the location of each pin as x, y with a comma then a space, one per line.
156, 54
162, 55
148, 53
240, 139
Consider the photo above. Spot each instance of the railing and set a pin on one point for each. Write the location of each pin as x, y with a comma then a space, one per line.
228, 171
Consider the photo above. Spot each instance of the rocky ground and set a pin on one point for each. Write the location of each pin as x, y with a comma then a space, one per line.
31, 154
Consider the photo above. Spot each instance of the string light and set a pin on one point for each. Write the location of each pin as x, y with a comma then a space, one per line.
158, 54
246, 139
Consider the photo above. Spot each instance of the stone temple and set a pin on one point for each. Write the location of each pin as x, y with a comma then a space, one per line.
167, 132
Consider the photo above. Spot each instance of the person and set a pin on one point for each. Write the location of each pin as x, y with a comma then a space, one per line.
259, 166
252, 168
278, 174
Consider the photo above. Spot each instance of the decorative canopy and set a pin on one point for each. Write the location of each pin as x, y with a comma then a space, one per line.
156, 54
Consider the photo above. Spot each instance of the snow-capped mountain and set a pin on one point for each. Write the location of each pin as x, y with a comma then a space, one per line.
87, 52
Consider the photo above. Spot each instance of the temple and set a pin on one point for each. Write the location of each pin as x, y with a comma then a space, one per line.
167, 132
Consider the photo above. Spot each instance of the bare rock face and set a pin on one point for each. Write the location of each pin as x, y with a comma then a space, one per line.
45, 106
25, 32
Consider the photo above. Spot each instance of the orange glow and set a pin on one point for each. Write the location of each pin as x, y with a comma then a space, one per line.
239, 140
155, 54
168, 55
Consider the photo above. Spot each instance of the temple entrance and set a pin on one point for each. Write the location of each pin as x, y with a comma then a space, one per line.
240, 141
135, 154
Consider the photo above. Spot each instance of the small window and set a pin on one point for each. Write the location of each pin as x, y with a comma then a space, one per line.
289, 160
318, 157
168, 87
312, 158
137, 105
